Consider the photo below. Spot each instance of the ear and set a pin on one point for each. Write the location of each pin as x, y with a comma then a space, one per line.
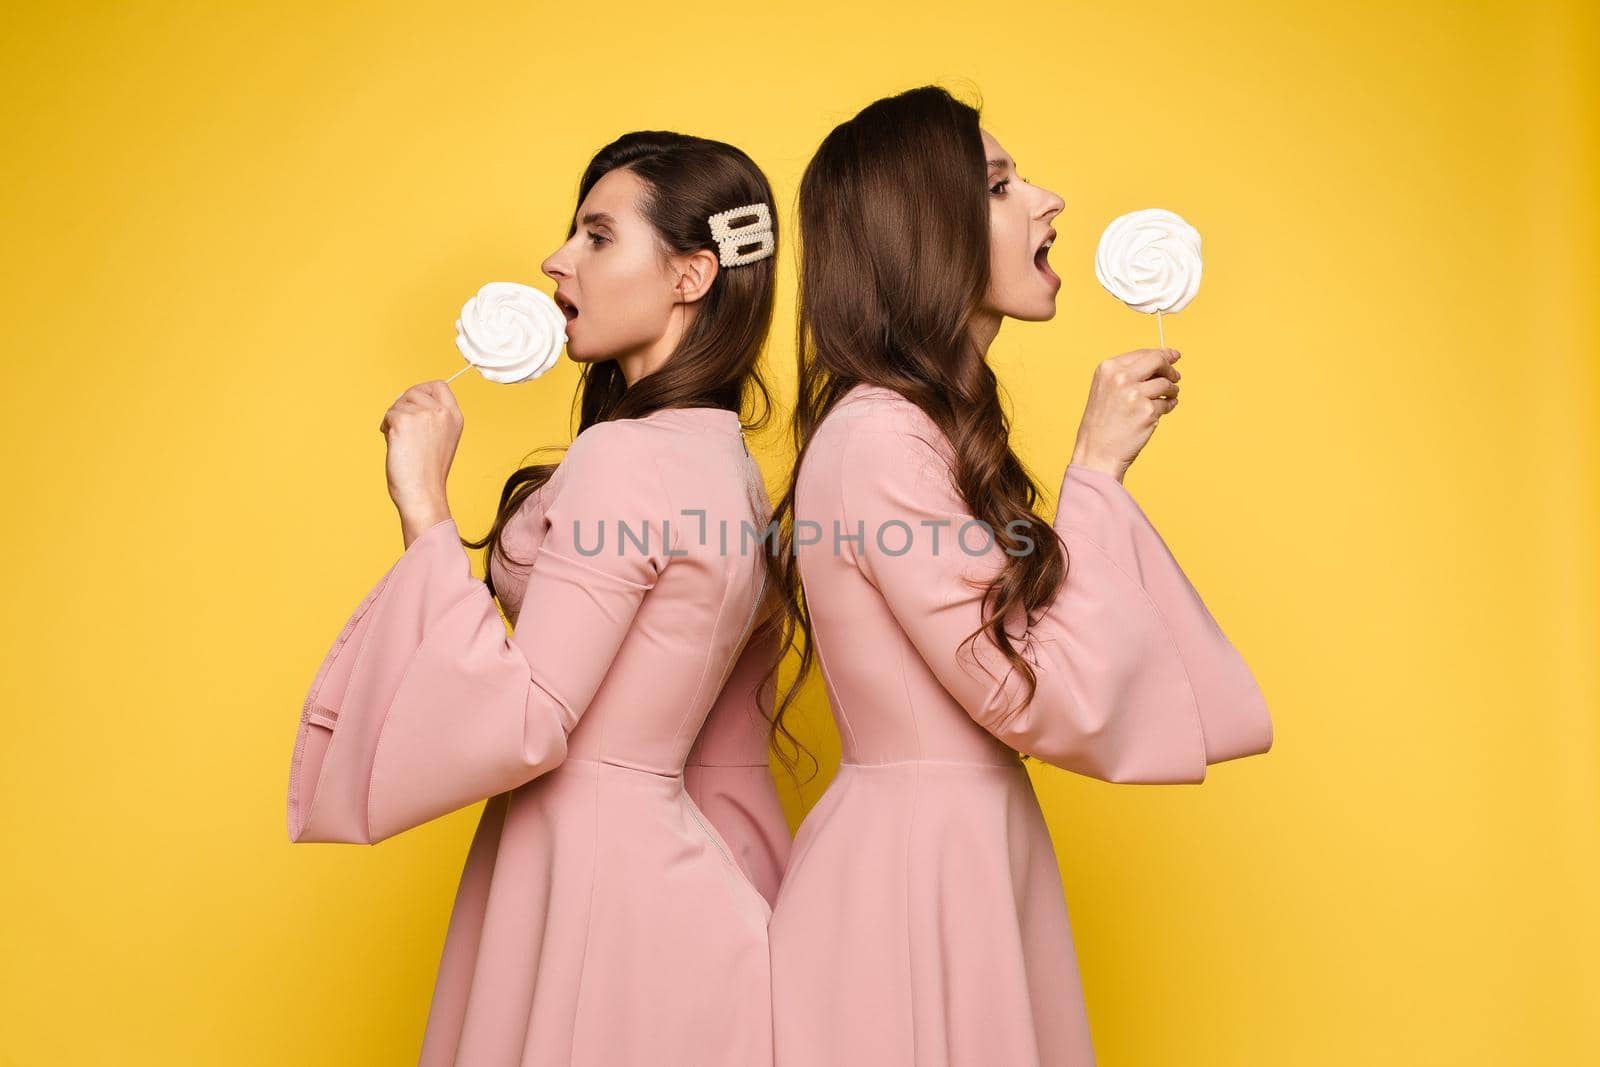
696, 272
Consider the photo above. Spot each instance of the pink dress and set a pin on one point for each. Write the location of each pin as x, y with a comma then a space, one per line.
921, 921
614, 903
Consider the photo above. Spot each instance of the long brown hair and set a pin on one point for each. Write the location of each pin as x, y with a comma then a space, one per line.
894, 265
687, 179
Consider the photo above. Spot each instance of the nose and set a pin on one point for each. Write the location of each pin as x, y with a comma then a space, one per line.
555, 265
1053, 205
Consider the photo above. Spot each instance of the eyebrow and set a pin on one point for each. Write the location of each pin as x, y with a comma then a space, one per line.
597, 218
999, 164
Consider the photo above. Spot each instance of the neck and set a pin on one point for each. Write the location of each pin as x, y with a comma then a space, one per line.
650, 358
984, 327
636, 365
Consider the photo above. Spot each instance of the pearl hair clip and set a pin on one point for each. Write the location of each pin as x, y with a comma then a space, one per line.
733, 242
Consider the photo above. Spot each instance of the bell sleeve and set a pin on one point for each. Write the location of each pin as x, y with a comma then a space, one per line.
425, 705
1136, 682
727, 774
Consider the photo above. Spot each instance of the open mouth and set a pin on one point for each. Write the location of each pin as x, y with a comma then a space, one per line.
568, 308
1041, 257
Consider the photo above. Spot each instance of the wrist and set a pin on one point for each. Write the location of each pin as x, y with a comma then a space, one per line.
1109, 468
417, 519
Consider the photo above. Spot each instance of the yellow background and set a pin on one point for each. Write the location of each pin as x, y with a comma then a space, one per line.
233, 235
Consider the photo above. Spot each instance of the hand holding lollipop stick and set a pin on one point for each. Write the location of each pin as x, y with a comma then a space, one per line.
511, 332
1150, 260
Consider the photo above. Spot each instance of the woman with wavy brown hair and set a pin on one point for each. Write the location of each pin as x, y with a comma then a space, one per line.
921, 921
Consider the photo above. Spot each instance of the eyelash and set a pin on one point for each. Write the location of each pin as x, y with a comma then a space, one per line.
597, 237
995, 189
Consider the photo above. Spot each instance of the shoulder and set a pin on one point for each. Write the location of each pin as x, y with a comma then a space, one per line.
611, 435
883, 408
619, 456
893, 460
615, 446
884, 435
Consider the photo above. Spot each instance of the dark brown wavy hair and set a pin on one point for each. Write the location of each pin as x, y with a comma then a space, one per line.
894, 265
716, 364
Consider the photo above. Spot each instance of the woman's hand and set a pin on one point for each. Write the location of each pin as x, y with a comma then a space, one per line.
423, 427
1127, 397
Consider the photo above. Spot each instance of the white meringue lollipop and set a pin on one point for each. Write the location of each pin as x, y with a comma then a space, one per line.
511, 332
1150, 260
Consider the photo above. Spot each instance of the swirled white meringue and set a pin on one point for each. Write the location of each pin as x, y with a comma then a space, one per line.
511, 332
1150, 260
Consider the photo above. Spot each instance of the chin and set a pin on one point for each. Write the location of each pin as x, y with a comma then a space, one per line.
1040, 307
577, 354
1042, 312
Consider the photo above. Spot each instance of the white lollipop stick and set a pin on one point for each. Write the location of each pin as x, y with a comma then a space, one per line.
511, 332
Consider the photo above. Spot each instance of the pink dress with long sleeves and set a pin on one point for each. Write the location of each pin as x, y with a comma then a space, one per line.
614, 901
921, 921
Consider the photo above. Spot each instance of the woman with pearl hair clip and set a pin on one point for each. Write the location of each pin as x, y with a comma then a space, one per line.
614, 902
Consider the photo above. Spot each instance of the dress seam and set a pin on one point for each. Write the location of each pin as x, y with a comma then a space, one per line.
905, 884
843, 717
700, 688
588, 925
933, 762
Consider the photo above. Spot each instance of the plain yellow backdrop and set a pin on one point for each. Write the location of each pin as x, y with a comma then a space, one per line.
234, 233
